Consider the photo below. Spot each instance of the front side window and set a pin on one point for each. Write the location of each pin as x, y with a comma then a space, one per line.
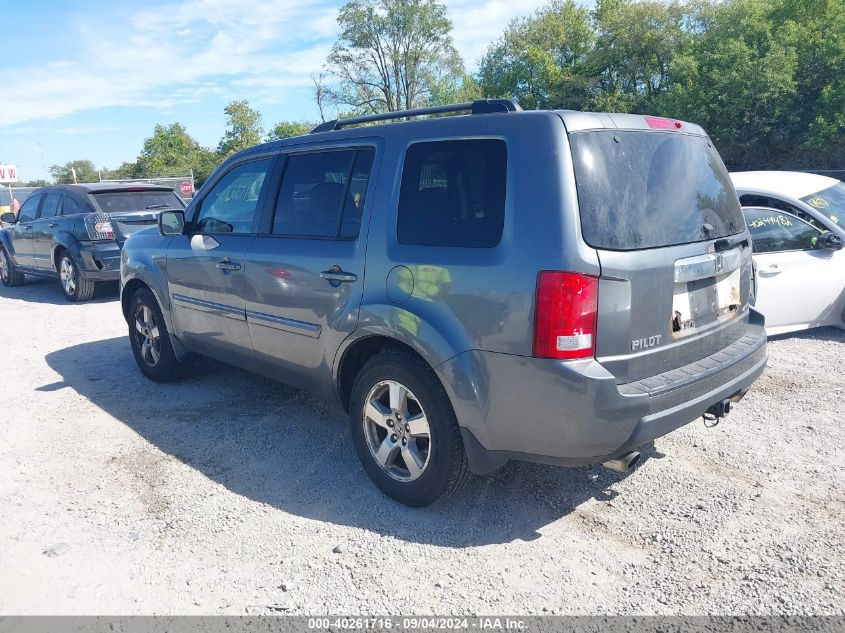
29, 208
453, 194
750, 200
773, 231
231, 205
323, 194
50, 208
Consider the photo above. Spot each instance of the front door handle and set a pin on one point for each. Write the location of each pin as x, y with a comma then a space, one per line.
769, 271
227, 265
335, 276
52, 225
27, 227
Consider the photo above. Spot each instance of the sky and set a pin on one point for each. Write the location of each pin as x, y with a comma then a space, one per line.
90, 79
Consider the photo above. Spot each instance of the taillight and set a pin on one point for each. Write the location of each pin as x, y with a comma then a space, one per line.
99, 226
565, 315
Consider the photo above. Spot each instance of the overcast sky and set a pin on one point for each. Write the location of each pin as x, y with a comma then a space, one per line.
90, 79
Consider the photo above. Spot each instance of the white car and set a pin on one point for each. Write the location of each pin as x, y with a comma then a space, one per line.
800, 271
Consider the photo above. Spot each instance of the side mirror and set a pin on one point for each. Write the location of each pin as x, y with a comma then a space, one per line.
171, 223
829, 241
8, 218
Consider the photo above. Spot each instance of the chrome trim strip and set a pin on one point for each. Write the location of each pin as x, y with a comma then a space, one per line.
704, 266
281, 323
210, 306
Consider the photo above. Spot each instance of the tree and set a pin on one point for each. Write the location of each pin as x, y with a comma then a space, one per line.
243, 128
40, 182
391, 55
170, 151
636, 43
287, 129
85, 172
542, 60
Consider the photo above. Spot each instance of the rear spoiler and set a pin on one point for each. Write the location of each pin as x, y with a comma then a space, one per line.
585, 121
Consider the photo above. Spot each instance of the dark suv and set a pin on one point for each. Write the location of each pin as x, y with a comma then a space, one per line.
559, 287
75, 232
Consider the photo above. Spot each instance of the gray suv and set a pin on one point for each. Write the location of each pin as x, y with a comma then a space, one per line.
556, 287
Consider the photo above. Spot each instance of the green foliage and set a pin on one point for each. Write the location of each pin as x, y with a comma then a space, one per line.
33, 183
170, 151
392, 55
287, 129
542, 61
243, 128
85, 172
766, 78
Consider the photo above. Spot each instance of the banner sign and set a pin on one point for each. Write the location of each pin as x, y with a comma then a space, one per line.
8, 173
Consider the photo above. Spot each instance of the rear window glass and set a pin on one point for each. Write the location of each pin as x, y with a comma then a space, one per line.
651, 189
123, 201
830, 202
453, 193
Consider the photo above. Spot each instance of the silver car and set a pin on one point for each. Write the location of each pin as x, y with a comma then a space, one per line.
557, 287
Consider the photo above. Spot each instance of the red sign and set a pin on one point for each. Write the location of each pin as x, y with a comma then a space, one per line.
186, 188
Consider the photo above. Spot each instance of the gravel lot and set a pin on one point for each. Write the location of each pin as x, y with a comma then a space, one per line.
227, 493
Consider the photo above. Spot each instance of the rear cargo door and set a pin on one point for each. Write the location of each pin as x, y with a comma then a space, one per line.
134, 208
675, 286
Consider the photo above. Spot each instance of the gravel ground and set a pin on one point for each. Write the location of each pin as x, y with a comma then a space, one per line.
228, 493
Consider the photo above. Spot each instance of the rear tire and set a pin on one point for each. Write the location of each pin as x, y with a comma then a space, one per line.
150, 340
405, 430
9, 275
74, 285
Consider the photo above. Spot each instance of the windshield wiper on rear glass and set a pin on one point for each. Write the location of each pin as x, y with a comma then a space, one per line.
158, 206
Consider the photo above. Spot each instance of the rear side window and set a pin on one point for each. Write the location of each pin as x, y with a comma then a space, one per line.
640, 189
69, 206
453, 194
28, 208
126, 201
323, 194
772, 231
50, 208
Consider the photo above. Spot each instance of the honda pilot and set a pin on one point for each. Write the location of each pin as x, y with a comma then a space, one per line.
555, 287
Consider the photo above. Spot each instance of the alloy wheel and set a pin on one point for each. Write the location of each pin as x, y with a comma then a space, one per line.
147, 336
67, 274
397, 431
4, 266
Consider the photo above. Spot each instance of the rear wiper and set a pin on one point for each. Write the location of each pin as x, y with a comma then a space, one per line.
158, 206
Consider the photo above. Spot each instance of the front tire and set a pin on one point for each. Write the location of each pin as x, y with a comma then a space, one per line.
9, 275
74, 285
405, 431
151, 344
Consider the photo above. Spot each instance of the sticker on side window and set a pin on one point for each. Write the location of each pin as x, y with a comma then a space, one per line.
818, 203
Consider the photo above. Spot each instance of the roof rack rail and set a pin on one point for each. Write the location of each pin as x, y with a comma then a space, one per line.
479, 106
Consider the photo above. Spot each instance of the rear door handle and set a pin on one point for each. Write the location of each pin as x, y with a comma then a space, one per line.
226, 265
336, 276
52, 225
27, 227
769, 271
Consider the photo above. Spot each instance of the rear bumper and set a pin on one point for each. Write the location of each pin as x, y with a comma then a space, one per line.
97, 261
574, 413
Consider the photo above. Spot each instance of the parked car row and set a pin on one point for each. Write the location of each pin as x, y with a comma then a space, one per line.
558, 287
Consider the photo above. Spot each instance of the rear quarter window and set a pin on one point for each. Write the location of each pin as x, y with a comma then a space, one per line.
453, 193
648, 189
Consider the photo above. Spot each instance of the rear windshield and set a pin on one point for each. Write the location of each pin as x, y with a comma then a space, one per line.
830, 202
639, 189
123, 201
